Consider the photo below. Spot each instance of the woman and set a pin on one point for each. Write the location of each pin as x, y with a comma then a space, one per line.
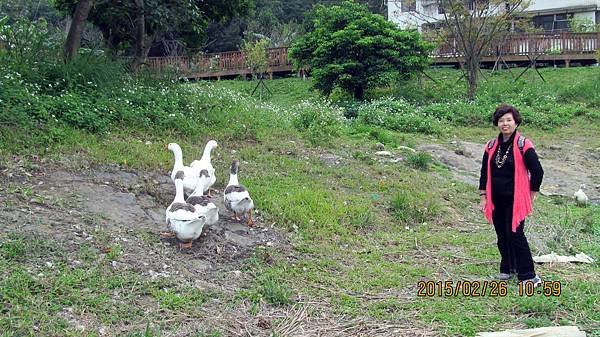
511, 176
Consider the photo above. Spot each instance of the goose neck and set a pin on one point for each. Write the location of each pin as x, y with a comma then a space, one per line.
206, 154
179, 191
178, 157
233, 179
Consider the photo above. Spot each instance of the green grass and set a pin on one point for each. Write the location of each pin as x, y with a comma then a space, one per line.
362, 232
41, 286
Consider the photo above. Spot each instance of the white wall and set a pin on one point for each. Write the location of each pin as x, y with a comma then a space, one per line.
405, 19
586, 16
538, 5
429, 13
423, 14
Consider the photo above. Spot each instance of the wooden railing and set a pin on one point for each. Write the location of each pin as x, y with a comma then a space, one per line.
568, 45
526, 44
221, 64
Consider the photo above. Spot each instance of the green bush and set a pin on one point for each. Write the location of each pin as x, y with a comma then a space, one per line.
319, 120
28, 46
419, 160
398, 115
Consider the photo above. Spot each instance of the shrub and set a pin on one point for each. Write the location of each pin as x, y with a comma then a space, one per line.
419, 160
398, 115
320, 120
27, 46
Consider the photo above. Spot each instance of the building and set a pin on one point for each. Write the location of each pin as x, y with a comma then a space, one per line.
550, 15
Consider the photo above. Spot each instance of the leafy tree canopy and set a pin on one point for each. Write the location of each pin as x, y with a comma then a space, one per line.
278, 21
349, 47
31, 10
184, 20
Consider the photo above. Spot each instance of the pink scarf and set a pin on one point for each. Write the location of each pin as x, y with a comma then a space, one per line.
522, 196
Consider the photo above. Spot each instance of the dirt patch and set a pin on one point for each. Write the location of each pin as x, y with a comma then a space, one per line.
565, 167
107, 206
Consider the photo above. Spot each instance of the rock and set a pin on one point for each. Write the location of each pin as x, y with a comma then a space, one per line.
384, 153
199, 265
330, 159
238, 239
379, 147
146, 201
110, 203
238, 229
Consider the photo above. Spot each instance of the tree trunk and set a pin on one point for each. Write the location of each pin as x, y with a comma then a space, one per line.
359, 93
77, 25
141, 45
112, 46
472, 75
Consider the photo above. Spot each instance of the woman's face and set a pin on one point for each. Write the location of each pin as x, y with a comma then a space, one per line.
507, 124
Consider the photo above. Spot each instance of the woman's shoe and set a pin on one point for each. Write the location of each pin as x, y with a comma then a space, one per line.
503, 276
536, 281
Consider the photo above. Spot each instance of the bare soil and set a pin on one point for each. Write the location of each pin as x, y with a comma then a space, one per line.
70, 205
565, 167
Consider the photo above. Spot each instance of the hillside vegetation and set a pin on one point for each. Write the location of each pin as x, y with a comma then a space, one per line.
360, 230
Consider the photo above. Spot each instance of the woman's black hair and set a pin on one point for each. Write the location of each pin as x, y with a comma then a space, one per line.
504, 109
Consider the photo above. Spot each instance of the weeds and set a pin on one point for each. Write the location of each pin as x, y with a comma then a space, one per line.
419, 160
414, 207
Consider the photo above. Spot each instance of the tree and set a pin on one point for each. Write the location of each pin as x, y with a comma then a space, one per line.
279, 21
349, 47
139, 23
256, 57
77, 24
31, 10
475, 25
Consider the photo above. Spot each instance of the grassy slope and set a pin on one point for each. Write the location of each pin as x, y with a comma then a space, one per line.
356, 246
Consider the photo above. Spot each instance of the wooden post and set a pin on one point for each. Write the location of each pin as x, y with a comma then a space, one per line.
597, 49
567, 62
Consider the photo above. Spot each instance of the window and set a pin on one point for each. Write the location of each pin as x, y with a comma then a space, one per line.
469, 4
553, 22
408, 6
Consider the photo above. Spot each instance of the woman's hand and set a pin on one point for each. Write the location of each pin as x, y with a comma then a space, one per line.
482, 203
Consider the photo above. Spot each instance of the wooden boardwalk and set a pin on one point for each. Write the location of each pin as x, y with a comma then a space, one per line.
218, 65
561, 48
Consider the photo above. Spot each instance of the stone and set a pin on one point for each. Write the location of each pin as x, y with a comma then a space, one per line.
238, 239
384, 153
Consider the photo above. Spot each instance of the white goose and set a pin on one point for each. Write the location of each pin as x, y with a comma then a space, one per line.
204, 206
236, 197
190, 174
182, 218
205, 164
580, 197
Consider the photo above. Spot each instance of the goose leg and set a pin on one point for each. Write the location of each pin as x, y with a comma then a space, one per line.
186, 245
235, 215
250, 221
167, 235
